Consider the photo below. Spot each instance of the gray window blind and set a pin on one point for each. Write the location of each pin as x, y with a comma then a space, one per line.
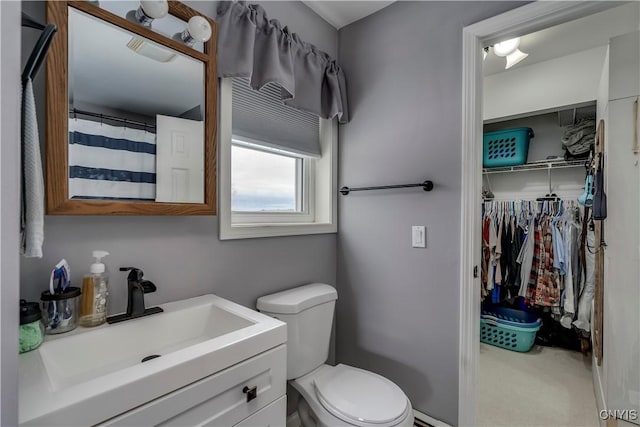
260, 115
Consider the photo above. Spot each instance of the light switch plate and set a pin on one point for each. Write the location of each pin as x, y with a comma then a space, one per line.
418, 236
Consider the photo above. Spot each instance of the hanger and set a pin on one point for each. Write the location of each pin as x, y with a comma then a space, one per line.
40, 50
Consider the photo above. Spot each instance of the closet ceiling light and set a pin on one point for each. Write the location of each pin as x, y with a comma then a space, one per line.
508, 49
514, 58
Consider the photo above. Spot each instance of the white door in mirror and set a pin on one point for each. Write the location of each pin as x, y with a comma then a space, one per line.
179, 160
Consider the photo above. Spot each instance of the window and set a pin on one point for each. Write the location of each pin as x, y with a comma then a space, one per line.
264, 182
269, 185
277, 166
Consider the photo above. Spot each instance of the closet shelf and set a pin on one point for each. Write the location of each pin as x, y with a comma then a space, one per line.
544, 165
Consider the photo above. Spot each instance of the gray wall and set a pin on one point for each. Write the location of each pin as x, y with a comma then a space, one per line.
9, 200
398, 307
183, 255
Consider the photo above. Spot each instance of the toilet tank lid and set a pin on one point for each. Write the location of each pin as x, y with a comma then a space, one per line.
297, 299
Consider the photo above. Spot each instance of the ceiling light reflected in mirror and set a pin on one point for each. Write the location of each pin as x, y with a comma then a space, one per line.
198, 30
148, 11
167, 25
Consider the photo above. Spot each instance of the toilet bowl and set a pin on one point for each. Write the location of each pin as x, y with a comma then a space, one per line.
346, 396
331, 396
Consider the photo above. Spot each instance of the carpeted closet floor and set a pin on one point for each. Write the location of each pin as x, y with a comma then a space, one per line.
544, 387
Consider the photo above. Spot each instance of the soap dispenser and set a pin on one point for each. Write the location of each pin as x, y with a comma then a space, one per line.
95, 291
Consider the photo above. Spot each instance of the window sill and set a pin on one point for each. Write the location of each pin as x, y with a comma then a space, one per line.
249, 231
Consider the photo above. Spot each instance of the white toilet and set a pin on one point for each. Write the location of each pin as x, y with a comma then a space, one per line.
331, 396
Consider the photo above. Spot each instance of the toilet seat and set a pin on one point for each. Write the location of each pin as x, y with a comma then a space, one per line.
360, 397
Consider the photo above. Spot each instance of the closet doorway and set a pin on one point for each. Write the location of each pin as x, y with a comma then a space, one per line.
531, 346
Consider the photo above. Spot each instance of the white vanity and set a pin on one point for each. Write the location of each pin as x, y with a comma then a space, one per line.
219, 364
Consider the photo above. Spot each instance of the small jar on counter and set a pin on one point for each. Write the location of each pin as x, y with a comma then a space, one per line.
60, 311
31, 328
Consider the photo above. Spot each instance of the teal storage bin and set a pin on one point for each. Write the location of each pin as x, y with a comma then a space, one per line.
508, 147
510, 337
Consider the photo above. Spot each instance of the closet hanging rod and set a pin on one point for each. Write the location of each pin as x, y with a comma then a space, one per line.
426, 186
74, 112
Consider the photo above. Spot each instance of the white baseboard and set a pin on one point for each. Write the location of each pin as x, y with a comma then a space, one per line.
429, 420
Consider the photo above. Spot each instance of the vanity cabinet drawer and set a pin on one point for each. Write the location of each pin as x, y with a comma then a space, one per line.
222, 399
273, 415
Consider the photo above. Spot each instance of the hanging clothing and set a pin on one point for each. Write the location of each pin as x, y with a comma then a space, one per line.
498, 257
525, 259
559, 260
583, 322
536, 264
493, 241
515, 243
547, 286
486, 256
531, 251
572, 275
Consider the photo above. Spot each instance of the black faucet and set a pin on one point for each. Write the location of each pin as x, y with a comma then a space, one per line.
136, 288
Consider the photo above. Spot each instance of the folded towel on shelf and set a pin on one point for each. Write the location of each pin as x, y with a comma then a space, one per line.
32, 206
584, 124
579, 145
580, 137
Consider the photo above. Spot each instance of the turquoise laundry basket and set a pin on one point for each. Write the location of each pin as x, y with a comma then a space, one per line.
507, 328
508, 147
509, 316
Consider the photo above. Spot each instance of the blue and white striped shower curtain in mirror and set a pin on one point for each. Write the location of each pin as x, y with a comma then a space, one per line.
111, 162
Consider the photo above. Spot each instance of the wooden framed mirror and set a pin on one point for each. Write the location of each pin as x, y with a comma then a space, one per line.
131, 113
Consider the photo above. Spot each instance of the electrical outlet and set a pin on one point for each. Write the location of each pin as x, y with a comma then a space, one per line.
418, 236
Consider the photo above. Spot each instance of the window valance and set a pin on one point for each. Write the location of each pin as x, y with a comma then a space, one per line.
253, 46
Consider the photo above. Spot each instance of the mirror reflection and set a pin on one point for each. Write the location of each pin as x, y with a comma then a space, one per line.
169, 25
136, 116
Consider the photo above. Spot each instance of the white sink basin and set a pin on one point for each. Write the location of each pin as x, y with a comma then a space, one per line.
89, 375
81, 357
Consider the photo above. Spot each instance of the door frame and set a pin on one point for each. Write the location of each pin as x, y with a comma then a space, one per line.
523, 20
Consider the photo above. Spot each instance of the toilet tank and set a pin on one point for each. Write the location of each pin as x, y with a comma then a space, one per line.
308, 312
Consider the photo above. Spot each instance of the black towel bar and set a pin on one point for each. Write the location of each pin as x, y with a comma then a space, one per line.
426, 186
40, 50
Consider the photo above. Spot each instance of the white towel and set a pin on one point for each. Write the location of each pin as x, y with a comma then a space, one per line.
32, 227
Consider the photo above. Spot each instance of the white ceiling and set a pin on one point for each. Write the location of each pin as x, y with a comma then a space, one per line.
571, 37
340, 13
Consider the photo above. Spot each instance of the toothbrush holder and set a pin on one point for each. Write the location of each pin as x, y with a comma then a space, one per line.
60, 310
